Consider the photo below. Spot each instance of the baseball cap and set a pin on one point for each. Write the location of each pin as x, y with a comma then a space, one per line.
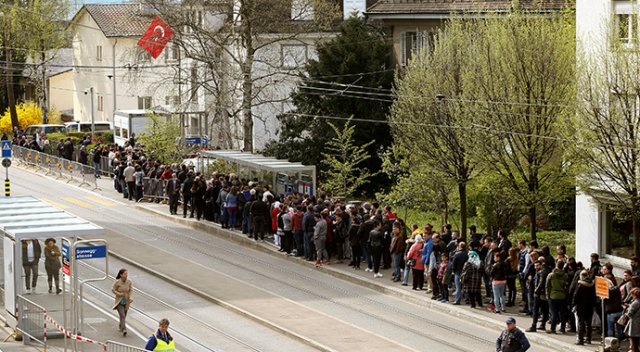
510, 320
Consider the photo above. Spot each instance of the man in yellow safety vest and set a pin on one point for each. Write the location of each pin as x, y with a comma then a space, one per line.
161, 340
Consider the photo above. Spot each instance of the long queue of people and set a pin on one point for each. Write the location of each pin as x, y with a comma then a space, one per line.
486, 272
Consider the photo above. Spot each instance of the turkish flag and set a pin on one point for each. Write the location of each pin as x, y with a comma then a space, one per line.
156, 37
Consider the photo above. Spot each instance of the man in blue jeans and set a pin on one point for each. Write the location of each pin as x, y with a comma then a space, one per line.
459, 259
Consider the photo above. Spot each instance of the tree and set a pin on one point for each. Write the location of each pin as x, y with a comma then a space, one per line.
342, 158
352, 76
608, 128
521, 76
160, 138
428, 121
416, 186
235, 52
33, 28
28, 114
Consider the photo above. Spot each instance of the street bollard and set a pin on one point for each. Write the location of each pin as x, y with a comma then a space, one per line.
7, 188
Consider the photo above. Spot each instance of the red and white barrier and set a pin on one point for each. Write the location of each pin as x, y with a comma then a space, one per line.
72, 336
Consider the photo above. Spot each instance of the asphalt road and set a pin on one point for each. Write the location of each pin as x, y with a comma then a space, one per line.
320, 311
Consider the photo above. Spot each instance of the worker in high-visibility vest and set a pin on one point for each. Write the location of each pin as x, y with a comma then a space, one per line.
161, 340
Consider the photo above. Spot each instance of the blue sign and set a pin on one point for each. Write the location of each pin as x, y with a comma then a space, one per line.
196, 141
92, 252
65, 250
6, 149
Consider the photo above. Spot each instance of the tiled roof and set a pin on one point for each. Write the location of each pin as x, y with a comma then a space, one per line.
443, 7
120, 20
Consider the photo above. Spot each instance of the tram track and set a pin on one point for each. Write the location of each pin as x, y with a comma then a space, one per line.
138, 292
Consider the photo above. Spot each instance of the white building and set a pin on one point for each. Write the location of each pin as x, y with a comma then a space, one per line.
123, 76
598, 23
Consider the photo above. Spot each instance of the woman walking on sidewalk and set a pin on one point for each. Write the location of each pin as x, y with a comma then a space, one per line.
122, 289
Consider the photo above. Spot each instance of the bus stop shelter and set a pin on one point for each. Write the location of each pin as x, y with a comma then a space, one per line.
27, 218
284, 176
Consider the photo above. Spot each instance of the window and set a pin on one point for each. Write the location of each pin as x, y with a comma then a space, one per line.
627, 28
172, 100
412, 43
293, 56
618, 235
194, 82
172, 53
144, 103
100, 103
99, 53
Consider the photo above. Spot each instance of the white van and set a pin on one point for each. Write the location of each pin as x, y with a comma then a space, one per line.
31, 130
85, 126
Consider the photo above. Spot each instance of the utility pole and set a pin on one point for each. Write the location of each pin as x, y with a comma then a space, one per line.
93, 120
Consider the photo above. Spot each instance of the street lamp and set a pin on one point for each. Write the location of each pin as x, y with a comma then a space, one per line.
93, 118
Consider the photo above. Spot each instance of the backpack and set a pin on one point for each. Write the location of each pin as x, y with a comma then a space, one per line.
280, 220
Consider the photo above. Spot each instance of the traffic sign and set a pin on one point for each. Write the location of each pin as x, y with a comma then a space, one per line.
91, 252
6, 162
6, 149
65, 259
602, 287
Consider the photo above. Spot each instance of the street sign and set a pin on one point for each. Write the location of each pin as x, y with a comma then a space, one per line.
6, 162
6, 149
602, 287
92, 252
65, 259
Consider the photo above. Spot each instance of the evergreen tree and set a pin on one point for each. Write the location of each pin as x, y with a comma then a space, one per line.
351, 77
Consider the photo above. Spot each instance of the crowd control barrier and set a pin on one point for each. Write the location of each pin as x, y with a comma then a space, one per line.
56, 166
113, 346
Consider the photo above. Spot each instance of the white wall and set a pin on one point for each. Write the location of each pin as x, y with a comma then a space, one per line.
61, 91
587, 228
132, 83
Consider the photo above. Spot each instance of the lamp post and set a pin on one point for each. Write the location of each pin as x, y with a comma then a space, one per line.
93, 115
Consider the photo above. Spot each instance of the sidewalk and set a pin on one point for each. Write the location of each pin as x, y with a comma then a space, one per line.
483, 317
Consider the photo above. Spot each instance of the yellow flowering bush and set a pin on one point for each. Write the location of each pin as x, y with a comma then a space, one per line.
29, 113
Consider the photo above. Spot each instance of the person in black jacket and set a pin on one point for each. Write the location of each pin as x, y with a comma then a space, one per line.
499, 281
354, 241
459, 259
376, 237
259, 212
584, 299
540, 303
31, 253
186, 194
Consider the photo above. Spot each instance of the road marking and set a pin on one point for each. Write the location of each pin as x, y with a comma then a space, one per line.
100, 201
78, 202
56, 204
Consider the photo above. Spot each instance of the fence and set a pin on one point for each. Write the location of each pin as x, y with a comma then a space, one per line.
153, 189
53, 165
31, 321
113, 346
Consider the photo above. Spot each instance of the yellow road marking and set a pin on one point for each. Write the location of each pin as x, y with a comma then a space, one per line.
100, 201
56, 204
78, 202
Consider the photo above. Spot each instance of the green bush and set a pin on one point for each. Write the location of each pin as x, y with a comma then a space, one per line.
551, 239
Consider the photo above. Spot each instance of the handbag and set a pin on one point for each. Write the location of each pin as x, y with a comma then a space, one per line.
411, 262
623, 320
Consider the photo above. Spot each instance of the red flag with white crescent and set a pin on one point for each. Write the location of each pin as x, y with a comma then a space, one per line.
156, 37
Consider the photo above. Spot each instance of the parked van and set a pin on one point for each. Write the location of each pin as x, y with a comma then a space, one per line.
31, 130
85, 126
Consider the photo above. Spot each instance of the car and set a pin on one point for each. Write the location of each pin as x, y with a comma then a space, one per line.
31, 130
85, 126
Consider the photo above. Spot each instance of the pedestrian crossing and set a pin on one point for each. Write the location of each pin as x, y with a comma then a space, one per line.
88, 202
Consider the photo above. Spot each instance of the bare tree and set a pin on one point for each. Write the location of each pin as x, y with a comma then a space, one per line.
608, 127
235, 47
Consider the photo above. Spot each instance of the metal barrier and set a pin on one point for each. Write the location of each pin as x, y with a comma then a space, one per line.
32, 321
53, 165
113, 346
153, 189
